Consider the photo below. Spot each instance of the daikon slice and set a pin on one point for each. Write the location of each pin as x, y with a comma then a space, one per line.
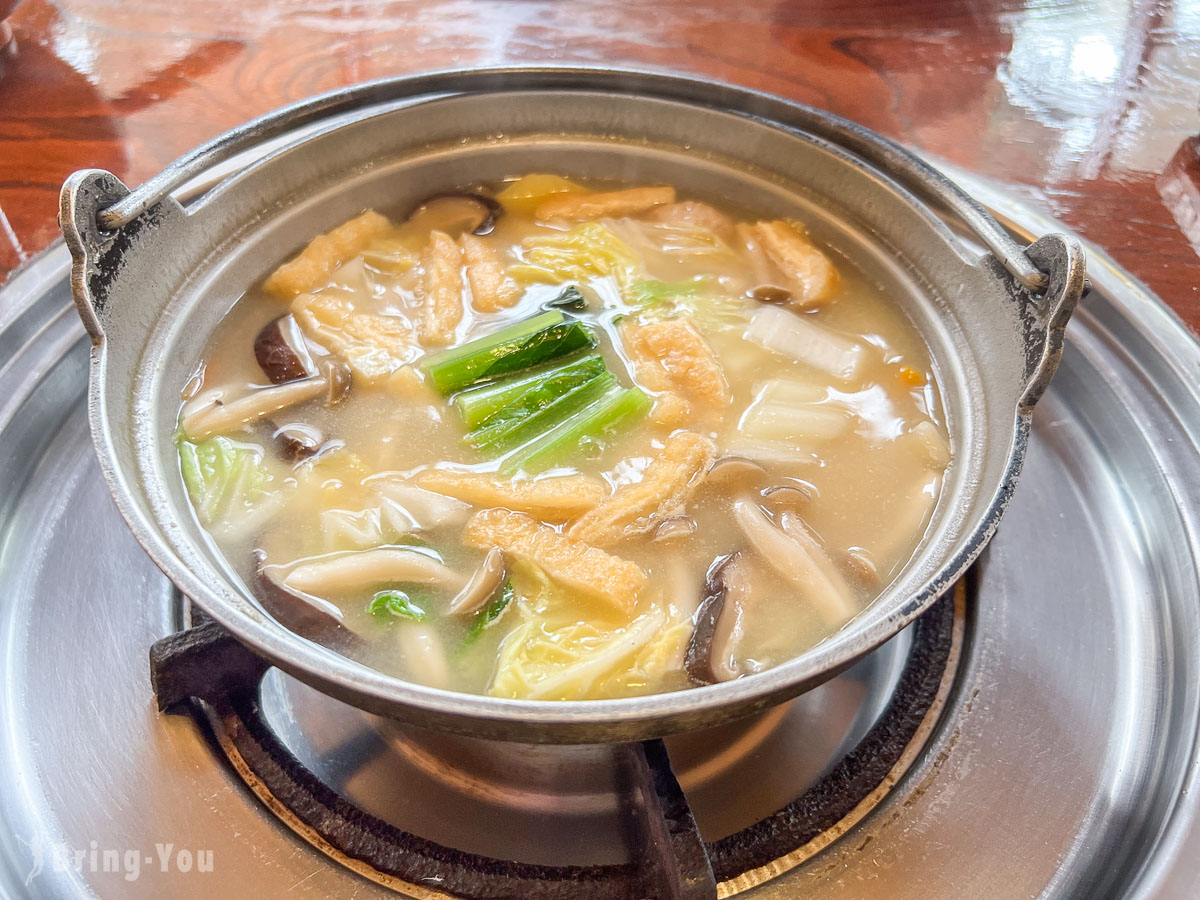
802, 339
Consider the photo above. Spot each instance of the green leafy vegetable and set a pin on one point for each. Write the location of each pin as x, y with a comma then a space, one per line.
486, 617
616, 407
223, 476
547, 344
480, 403
535, 413
570, 298
496, 358
648, 293
704, 302
550, 652
580, 659
395, 603
458, 367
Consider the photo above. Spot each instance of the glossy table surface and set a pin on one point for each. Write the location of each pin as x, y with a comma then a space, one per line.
1086, 110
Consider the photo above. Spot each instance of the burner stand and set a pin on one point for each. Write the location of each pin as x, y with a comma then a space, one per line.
205, 673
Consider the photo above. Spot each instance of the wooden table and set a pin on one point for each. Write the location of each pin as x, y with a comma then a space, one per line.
1087, 110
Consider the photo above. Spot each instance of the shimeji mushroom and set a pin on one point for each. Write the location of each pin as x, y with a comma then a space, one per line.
483, 584
674, 528
795, 553
424, 657
357, 569
306, 615
734, 469
211, 414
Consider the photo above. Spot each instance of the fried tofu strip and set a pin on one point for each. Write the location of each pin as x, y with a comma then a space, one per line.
672, 357
572, 563
666, 486
609, 203
441, 290
373, 345
324, 253
491, 289
754, 254
699, 215
810, 271
670, 409
548, 499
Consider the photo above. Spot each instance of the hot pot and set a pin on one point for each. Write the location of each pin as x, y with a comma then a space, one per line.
152, 278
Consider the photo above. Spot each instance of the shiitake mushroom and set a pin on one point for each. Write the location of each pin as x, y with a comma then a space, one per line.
699, 661
284, 356
458, 211
281, 351
308, 616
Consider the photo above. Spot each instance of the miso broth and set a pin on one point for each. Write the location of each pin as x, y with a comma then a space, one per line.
564, 440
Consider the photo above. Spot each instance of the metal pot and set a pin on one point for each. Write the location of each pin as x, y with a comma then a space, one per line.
151, 280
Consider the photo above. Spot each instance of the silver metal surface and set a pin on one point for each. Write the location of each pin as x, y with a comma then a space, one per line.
148, 292
925, 181
1065, 767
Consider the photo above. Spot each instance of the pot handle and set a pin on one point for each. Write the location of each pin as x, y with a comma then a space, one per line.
99, 256
1061, 258
83, 196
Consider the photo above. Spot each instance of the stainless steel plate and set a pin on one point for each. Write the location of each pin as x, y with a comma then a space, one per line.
1065, 764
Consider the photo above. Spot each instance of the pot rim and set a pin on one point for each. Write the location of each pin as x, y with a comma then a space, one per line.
657, 713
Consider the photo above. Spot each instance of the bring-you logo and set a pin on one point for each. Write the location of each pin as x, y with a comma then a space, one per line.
129, 863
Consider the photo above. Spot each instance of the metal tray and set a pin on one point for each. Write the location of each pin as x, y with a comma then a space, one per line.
1064, 766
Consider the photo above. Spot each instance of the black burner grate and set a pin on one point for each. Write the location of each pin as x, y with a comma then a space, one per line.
204, 663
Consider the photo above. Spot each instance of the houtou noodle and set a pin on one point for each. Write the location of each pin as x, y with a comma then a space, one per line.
541, 488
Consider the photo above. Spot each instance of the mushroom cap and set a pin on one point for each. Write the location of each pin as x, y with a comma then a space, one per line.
458, 211
281, 352
770, 293
701, 654
727, 468
297, 441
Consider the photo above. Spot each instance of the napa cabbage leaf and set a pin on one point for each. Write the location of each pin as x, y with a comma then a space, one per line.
563, 648
224, 478
586, 252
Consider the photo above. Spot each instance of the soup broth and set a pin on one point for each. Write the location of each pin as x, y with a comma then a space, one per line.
560, 440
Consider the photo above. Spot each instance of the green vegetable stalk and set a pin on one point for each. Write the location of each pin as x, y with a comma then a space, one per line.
614, 409
536, 413
521, 346
482, 403
487, 616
